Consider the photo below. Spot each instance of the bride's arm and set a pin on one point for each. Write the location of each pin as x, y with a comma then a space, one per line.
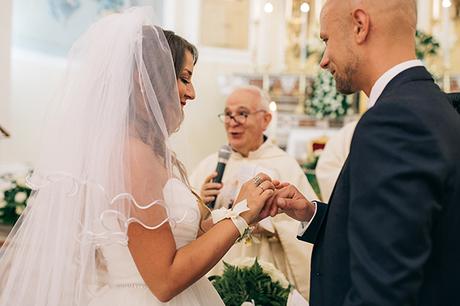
165, 270
168, 271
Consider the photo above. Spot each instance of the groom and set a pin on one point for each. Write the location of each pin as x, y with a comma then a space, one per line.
390, 234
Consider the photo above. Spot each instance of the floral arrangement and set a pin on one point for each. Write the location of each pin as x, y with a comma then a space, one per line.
249, 281
326, 102
425, 45
13, 198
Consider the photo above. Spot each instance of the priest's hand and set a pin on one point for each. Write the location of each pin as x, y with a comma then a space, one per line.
210, 190
290, 200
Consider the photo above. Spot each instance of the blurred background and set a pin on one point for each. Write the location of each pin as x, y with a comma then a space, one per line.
273, 44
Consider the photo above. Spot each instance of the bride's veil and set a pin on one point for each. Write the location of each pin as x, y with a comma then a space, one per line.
104, 162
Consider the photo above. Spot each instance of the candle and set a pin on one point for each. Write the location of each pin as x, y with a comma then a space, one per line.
304, 9
272, 129
446, 44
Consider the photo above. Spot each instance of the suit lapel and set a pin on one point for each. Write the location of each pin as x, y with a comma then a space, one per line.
418, 73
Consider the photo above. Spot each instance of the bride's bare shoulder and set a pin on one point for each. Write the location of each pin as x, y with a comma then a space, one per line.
139, 151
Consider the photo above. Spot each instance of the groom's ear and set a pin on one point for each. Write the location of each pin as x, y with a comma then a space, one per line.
361, 25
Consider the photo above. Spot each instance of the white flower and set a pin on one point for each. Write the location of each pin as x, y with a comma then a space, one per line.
21, 181
243, 261
19, 209
20, 197
2, 203
275, 274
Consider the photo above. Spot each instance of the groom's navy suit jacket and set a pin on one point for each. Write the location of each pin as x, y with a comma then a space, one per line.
390, 235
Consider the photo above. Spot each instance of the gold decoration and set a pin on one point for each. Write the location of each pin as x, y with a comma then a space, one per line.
299, 31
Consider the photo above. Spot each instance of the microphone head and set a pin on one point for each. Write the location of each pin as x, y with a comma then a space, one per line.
224, 153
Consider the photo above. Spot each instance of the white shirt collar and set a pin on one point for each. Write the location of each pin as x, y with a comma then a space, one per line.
385, 78
267, 149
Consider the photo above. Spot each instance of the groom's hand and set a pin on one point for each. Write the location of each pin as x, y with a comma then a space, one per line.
289, 200
270, 204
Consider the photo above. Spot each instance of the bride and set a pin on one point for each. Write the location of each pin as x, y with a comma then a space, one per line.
112, 219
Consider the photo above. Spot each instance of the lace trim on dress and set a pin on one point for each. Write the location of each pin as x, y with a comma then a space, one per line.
110, 234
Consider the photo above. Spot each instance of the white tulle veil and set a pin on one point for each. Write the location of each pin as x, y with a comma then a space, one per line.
105, 157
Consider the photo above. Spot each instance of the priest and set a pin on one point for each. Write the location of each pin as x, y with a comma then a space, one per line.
245, 118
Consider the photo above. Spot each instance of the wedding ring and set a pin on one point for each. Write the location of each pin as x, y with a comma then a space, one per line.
257, 180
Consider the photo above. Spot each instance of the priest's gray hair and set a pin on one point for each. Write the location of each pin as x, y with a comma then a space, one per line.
263, 95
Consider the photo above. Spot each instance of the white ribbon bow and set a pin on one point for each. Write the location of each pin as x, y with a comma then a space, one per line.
225, 213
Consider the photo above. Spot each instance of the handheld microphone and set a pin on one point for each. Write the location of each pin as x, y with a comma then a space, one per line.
224, 154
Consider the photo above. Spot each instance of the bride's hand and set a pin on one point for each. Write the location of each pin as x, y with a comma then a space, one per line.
256, 192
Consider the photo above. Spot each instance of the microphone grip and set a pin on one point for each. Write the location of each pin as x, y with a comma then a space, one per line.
220, 172
218, 179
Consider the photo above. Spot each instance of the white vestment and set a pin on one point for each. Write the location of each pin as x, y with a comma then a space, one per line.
284, 250
332, 159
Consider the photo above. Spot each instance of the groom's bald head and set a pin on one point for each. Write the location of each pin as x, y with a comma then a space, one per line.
400, 15
363, 35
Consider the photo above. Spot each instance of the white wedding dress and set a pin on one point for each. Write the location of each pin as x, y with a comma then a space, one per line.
125, 284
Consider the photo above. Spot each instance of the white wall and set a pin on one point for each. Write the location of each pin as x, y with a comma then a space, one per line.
35, 78
5, 38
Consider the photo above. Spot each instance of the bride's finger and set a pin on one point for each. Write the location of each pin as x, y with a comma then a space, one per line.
260, 178
266, 185
274, 209
282, 185
266, 194
265, 212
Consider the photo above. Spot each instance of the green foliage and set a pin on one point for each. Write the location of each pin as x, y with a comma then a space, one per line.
238, 285
309, 168
13, 199
425, 45
326, 102
312, 160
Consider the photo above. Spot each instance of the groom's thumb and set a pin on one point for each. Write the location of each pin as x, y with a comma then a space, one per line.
282, 203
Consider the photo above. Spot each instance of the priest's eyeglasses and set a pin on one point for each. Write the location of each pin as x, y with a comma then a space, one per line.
240, 117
